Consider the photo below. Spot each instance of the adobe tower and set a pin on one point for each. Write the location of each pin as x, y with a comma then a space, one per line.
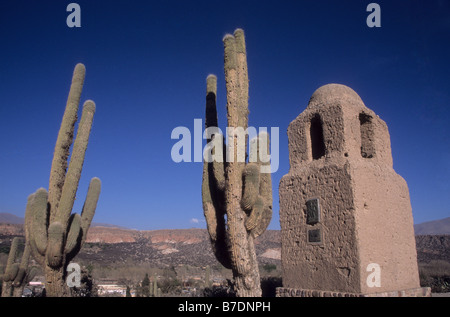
345, 215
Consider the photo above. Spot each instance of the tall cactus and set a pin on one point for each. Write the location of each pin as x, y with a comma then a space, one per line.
208, 276
55, 234
237, 197
155, 286
17, 275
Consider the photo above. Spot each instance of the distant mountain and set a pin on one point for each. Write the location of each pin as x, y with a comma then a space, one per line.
436, 227
107, 225
107, 245
16, 220
10, 218
433, 247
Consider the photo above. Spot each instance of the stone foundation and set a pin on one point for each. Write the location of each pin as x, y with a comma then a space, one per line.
292, 292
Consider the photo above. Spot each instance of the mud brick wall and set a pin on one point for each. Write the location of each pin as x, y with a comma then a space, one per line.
342, 205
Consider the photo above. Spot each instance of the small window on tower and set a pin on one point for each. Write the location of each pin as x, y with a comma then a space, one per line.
317, 142
367, 136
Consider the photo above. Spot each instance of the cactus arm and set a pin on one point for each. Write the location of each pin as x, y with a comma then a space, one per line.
12, 268
261, 212
20, 276
73, 235
8, 278
55, 248
28, 226
76, 163
208, 207
13, 251
39, 212
212, 215
212, 122
211, 109
90, 206
22, 273
216, 228
14, 273
218, 167
213, 183
264, 161
256, 214
265, 187
36, 217
251, 186
65, 137
11, 272
242, 71
80, 224
263, 222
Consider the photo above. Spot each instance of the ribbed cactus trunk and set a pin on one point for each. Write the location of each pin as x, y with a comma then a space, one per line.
54, 233
235, 188
55, 285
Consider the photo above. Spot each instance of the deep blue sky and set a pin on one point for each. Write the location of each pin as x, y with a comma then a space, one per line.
147, 62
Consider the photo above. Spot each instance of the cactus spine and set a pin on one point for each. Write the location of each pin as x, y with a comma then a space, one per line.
234, 188
17, 275
55, 234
